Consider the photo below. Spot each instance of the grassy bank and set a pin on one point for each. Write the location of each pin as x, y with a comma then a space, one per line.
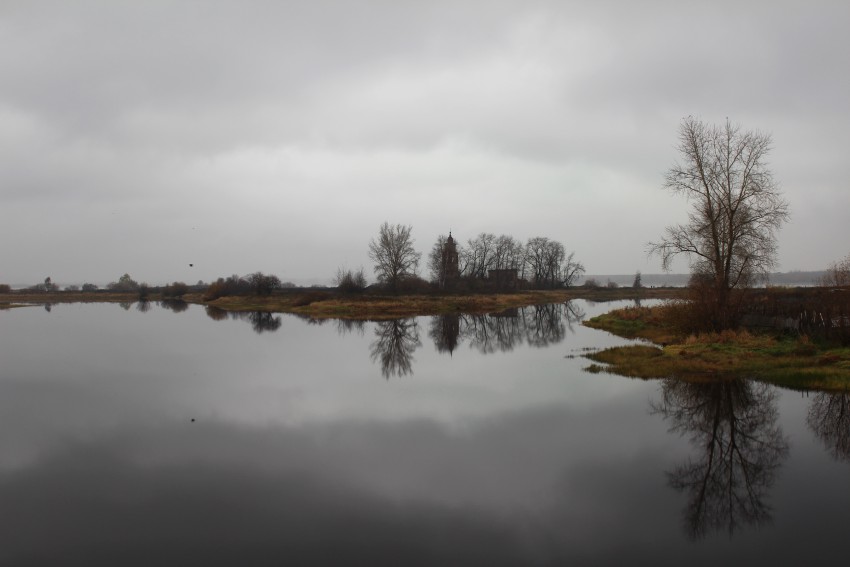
370, 305
783, 359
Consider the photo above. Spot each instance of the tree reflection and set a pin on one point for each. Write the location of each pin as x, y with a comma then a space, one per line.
544, 325
444, 331
346, 326
216, 313
829, 418
498, 332
262, 321
175, 305
573, 315
394, 346
538, 325
733, 424
143, 306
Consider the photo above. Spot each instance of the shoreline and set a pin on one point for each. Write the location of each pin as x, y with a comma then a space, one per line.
324, 304
782, 359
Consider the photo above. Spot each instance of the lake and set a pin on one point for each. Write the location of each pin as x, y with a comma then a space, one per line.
178, 435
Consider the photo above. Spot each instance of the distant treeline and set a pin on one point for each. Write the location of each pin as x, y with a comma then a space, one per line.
681, 280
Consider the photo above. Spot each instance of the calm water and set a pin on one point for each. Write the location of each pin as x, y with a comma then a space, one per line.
181, 436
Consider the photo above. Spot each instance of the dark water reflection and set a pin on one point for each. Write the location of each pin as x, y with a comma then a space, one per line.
260, 321
739, 447
278, 442
829, 418
538, 326
396, 341
175, 305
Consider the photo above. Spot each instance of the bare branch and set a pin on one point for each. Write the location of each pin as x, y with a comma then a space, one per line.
737, 206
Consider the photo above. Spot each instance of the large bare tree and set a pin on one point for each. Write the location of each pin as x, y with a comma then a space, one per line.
479, 255
393, 254
737, 208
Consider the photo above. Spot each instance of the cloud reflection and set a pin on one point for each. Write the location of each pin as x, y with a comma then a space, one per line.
130, 501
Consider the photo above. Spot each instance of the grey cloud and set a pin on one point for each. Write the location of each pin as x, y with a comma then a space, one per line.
183, 111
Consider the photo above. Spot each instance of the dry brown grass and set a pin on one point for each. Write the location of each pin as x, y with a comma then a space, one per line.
789, 361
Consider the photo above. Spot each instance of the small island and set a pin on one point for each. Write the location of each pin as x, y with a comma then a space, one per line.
324, 303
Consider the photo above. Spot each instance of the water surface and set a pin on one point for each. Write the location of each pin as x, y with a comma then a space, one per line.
173, 434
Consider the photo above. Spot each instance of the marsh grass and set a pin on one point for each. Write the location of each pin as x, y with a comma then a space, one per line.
648, 323
376, 306
786, 360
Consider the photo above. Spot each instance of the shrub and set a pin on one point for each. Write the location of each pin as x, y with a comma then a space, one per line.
89, 287
5, 288
124, 283
350, 282
837, 274
263, 284
308, 298
177, 289
234, 285
413, 284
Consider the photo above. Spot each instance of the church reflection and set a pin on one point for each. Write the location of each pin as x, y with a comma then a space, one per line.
396, 340
536, 325
444, 331
829, 418
732, 425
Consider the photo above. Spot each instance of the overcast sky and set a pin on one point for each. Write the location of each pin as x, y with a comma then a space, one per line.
277, 136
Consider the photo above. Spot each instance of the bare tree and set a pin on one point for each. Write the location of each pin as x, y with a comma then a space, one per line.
837, 274
571, 270
393, 254
730, 236
549, 266
480, 255
262, 284
349, 281
124, 283
636, 283
545, 258
508, 253
535, 257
